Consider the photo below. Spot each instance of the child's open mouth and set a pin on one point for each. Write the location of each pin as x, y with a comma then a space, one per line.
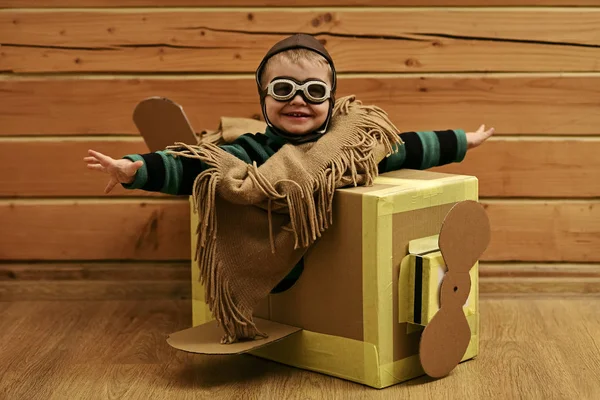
297, 116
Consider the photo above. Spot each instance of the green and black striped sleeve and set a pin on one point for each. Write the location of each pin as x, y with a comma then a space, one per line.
424, 150
164, 173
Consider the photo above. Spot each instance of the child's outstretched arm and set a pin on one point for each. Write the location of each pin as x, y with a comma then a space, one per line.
424, 150
162, 172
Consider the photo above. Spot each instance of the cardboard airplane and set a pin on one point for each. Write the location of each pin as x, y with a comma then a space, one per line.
462, 239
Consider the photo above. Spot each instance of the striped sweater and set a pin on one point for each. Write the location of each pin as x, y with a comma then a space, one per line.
164, 173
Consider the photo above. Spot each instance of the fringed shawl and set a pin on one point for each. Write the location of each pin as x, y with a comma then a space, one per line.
256, 223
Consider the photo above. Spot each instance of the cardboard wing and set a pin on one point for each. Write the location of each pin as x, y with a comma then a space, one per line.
206, 338
162, 122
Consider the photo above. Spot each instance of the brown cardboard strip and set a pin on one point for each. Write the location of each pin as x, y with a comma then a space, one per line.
206, 338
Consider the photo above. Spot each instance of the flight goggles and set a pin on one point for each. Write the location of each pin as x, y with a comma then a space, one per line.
313, 91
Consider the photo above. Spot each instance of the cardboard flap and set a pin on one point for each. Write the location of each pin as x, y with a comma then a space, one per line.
206, 338
424, 245
162, 122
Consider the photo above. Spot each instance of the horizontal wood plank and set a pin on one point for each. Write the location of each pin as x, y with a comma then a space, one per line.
59, 169
557, 231
538, 270
536, 231
86, 271
505, 167
95, 230
99, 290
547, 286
296, 3
156, 290
180, 271
549, 168
518, 278
235, 41
527, 104
141, 281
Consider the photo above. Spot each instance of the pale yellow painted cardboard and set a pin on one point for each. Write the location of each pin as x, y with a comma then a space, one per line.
370, 359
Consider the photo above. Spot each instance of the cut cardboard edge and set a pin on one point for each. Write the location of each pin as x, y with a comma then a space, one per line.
206, 338
464, 235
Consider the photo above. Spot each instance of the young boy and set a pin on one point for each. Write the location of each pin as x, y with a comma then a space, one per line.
297, 83
292, 117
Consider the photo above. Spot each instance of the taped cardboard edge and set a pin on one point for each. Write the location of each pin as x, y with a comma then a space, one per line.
369, 262
452, 189
424, 245
344, 358
410, 367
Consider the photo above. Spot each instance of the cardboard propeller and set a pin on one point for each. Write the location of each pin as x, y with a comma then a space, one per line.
464, 236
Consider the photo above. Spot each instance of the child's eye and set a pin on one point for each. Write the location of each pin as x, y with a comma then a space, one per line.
282, 88
316, 91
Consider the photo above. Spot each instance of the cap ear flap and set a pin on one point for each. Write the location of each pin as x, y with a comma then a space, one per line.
464, 236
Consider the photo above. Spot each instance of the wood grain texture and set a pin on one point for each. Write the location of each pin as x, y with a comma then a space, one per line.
95, 272
100, 290
295, 3
359, 40
526, 167
59, 169
530, 348
505, 168
538, 270
541, 285
96, 230
544, 231
546, 104
518, 278
139, 281
557, 231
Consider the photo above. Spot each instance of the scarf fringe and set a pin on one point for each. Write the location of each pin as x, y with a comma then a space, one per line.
218, 293
309, 206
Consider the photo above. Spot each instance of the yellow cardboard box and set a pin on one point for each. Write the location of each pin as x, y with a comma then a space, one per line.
355, 300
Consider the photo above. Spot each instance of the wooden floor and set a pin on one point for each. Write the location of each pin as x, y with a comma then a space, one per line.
531, 348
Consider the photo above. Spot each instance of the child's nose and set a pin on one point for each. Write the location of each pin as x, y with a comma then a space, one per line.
298, 100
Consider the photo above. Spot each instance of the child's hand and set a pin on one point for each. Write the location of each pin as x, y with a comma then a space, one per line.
120, 171
474, 139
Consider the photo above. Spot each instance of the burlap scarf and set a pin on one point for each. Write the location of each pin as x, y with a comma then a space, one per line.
255, 223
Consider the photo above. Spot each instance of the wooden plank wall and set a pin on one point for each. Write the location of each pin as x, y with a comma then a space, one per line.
71, 72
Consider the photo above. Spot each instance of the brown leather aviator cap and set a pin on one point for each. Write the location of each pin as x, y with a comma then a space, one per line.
297, 41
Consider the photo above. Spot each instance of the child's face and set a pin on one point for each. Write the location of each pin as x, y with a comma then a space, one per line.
280, 113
